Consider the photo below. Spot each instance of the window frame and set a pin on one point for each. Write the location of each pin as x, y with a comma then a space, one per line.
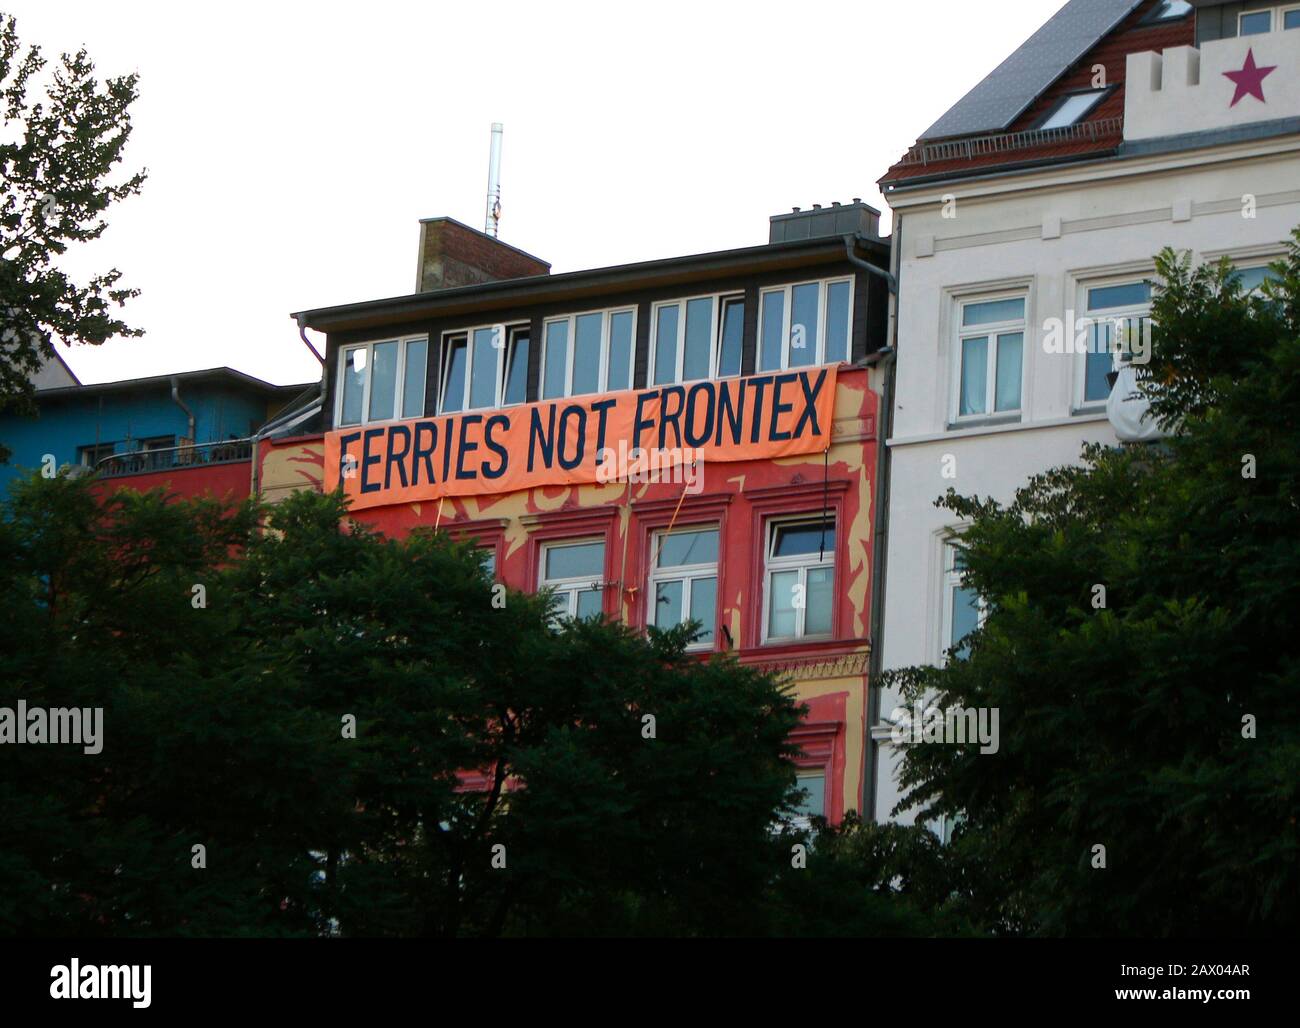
952, 579
1156, 18
85, 459
602, 375
802, 563
403, 345
572, 585
510, 331
715, 337
1056, 108
992, 330
1081, 403
1281, 18
788, 289
687, 574
1272, 21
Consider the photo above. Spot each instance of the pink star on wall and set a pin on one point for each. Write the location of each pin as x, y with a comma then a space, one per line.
1250, 80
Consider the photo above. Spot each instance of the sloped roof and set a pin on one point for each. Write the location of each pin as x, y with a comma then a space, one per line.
1010, 88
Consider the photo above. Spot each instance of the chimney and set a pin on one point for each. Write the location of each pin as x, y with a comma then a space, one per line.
840, 219
452, 254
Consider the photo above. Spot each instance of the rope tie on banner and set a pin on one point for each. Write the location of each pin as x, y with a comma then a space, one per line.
664, 538
826, 480
438, 520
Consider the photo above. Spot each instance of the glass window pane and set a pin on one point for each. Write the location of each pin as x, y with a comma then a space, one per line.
1096, 383
383, 384
683, 548
589, 603
489, 558
1251, 279
811, 537
730, 335
620, 352
417, 356
812, 797
666, 344
453, 394
483, 368
803, 325
780, 604
699, 336
516, 390
1010, 353
586, 353
1256, 23
1291, 20
704, 607
668, 604
354, 385
773, 326
837, 322
1130, 294
580, 560
965, 616
974, 375
1072, 109
557, 356
993, 311
820, 601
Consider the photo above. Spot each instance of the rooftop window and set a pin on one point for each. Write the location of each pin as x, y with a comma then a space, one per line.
1073, 109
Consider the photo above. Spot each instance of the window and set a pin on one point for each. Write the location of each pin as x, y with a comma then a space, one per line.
1169, 10
1291, 18
990, 357
588, 353
800, 579
1072, 109
488, 556
812, 799
484, 367
805, 324
962, 610
157, 451
575, 571
697, 338
1254, 23
1118, 314
1253, 279
381, 379
684, 581
90, 456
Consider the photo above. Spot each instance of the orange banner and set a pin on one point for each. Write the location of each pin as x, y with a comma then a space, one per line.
580, 440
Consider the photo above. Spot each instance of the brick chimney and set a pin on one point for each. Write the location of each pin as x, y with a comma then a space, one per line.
452, 254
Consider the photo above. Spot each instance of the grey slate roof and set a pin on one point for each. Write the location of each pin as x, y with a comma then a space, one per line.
1005, 93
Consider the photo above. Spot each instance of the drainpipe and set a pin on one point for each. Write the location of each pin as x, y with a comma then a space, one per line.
176, 399
850, 251
275, 422
880, 544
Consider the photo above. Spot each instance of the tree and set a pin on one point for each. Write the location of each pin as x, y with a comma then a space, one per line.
1146, 782
57, 156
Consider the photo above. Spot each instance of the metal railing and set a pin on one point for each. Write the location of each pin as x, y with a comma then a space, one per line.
1008, 142
173, 458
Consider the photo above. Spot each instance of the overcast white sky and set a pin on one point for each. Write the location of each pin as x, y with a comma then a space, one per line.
293, 147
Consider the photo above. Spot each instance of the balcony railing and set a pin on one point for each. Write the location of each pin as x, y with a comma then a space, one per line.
1009, 142
175, 458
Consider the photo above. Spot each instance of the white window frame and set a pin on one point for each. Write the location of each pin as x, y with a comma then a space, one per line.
992, 330
687, 574
607, 314
1281, 18
571, 586
803, 563
403, 343
803, 821
509, 333
1081, 403
1273, 20
715, 329
788, 289
1097, 95
953, 579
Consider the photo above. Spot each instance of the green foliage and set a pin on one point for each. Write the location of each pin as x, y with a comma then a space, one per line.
58, 150
1123, 726
477, 726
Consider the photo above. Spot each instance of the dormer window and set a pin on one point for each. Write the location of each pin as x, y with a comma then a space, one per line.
1170, 10
1073, 109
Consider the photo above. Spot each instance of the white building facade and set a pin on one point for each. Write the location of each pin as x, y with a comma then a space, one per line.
1040, 201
